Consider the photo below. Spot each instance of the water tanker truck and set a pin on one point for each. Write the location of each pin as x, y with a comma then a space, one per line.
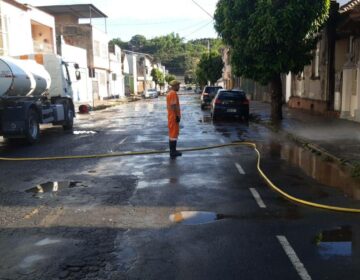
35, 89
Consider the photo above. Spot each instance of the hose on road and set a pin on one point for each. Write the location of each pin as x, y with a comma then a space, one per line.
235, 144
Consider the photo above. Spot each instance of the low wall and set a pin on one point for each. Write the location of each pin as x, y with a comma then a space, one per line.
315, 106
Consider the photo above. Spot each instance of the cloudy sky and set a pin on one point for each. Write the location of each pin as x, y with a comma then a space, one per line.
127, 18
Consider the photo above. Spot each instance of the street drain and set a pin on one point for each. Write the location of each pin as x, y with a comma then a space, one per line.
54, 186
194, 217
335, 243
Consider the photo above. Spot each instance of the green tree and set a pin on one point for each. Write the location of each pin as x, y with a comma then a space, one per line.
178, 56
137, 43
117, 41
169, 78
209, 68
157, 76
270, 37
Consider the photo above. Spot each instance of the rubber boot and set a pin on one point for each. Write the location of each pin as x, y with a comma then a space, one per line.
177, 153
173, 152
172, 149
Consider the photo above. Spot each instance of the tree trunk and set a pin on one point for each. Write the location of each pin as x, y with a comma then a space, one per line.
276, 99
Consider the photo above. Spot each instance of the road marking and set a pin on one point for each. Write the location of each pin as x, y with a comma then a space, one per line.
300, 268
122, 141
257, 197
240, 169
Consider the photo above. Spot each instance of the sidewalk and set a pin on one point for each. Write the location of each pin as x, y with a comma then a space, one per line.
102, 104
336, 138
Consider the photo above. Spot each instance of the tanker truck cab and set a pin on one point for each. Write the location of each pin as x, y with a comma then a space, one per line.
34, 89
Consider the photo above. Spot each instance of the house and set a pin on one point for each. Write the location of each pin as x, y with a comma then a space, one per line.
331, 84
254, 90
144, 67
314, 89
137, 72
130, 73
25, 30
86, 36
116, 78
348, 58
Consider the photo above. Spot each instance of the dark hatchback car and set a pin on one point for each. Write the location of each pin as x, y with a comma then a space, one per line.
208, 95
230, 103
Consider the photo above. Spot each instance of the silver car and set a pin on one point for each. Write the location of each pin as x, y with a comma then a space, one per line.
150, 93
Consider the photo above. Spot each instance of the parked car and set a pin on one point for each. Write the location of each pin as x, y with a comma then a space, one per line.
150, 93
230, 103
207, 95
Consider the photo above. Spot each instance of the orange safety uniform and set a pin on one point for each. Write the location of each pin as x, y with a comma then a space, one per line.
172, 100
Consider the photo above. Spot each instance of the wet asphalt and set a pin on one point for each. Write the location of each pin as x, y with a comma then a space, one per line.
205, 215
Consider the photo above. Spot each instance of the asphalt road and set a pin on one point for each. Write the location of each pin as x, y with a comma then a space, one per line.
206, 215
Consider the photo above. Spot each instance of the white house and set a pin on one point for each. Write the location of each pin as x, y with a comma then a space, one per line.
116, 77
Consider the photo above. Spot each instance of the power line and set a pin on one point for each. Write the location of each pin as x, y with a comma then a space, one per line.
203, 9
201, 27
191, 26
148, 23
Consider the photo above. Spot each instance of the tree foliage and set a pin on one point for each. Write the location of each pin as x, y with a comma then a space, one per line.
157, 76
209, 68
178, 56
169, 78
270, 37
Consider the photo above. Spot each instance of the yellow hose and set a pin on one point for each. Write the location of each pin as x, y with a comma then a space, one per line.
249, 144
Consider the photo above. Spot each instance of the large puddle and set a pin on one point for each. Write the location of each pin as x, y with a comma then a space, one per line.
325, 172
335, 243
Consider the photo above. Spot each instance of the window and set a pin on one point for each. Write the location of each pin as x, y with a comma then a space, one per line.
97, 48
316, 62
4, 36
104, 51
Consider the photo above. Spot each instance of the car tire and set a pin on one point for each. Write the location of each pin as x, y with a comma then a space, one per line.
32, 127
246, 117
214, 117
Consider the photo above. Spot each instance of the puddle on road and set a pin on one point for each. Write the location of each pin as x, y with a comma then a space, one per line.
84, 132
154, 183
47, 241
49, 187
325, 172
335, 243
194, 217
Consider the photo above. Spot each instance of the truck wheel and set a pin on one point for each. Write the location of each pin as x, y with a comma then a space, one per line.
69, 123
32, 128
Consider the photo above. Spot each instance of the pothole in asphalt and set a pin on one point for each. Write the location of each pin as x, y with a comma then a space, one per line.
54, 186
84, 132
335, 243
194, 217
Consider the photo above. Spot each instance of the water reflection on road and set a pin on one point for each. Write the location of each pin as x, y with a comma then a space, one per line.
325, 172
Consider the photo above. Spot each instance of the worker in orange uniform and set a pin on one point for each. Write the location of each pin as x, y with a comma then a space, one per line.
174, 117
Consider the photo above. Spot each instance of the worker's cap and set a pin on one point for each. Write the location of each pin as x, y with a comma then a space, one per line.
174, 83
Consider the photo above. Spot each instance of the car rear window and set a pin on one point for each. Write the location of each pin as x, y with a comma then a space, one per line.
232, 95
212, 90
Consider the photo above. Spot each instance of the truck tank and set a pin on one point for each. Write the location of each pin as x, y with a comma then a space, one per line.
22, 77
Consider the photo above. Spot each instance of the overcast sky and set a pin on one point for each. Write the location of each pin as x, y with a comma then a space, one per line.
127, 18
